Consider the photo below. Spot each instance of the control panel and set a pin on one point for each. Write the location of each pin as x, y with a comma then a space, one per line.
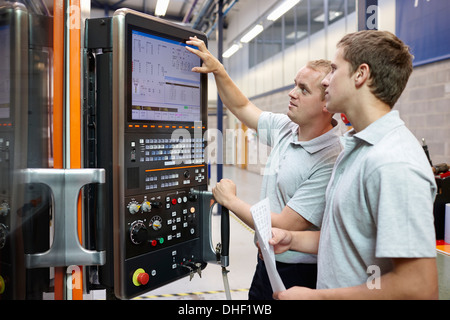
146, 118
161, 224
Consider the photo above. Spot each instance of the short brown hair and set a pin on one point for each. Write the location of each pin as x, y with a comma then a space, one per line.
389, 59
323, 66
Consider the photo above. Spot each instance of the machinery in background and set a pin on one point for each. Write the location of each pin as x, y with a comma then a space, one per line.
442, 174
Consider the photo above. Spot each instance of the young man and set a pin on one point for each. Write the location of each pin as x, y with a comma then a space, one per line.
377, 239
305, 145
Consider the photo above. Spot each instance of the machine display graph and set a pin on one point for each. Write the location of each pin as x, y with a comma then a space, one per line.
163, 86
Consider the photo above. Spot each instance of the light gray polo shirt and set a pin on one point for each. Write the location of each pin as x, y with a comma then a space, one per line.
379, 205
297, 172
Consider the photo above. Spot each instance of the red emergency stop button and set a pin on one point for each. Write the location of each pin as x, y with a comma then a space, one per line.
140, 277
143, 278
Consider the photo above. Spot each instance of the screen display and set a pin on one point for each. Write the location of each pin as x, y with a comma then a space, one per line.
5, 77
163, 86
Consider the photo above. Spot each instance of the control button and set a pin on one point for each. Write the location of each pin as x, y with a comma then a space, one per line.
174, 201
140, 277
156, 204
143, 278
187, 174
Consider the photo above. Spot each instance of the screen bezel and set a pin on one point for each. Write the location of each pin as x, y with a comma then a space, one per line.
160, 28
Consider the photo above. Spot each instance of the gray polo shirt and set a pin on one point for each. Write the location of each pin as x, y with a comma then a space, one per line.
297, 172
379, 205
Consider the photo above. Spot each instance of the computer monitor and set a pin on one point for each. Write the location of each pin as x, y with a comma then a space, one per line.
163, 86
163, 91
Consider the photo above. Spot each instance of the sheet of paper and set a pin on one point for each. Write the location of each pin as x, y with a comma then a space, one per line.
263, 229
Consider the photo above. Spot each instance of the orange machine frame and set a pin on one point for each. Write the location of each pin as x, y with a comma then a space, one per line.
75, 115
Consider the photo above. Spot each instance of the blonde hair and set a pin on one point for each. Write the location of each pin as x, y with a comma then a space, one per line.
322, 66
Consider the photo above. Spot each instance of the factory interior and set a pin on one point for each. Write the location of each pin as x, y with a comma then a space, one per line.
112, 149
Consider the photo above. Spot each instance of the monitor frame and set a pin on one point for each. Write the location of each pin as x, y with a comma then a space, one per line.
166, 30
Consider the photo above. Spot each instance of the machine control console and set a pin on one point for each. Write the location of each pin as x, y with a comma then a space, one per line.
150, 113
173, 218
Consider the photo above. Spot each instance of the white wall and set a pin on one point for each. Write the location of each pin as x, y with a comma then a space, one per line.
280, 70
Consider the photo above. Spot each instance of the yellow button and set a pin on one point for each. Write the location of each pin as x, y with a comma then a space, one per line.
2, 285
140, 277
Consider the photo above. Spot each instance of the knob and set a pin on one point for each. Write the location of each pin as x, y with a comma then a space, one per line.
4, 208
133, 207
138, 232
146, 206
156, 223
3, 234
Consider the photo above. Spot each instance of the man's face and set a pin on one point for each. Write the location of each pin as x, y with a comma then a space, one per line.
338, 84
306, 101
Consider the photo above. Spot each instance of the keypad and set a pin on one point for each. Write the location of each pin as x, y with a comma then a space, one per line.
187, 151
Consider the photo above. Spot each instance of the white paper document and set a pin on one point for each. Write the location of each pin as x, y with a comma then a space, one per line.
263, 227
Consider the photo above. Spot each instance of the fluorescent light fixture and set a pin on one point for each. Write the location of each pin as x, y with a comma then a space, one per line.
231, 50
282, 9
331, 16
161, 7
252, 33
300, 34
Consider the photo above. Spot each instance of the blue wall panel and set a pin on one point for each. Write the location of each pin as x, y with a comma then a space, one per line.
425, 26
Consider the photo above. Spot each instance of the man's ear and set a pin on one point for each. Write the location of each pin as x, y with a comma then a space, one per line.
325, 110
362, 74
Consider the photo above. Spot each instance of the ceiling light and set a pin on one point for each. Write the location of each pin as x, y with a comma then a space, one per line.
282, 9
331, 16
161, 7
252, 33
232, 50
